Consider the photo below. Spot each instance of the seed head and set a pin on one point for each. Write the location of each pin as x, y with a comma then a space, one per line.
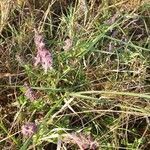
68, 44
84, 143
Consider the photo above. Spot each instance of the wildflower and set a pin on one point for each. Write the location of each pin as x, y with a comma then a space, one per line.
29, 129
30, 93
43, 56
68, 44
84, 143
39, 40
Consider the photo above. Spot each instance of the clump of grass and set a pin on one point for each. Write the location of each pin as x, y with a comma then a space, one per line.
99, 84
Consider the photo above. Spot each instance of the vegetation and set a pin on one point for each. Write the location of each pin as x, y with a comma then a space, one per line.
94, 92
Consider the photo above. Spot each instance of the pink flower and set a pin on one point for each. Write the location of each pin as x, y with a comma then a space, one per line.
29, 129
39, 40
43, 56
30, 93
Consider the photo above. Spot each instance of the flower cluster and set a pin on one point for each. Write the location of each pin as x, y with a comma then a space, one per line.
43, 56
29, 129
30, 93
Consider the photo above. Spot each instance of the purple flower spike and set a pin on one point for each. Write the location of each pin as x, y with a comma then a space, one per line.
30, 93
39, 40
28, 129
43, 57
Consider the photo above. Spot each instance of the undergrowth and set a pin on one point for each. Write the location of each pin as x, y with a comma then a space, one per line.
97, 93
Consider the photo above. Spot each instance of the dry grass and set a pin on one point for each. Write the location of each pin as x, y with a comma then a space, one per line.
99, 84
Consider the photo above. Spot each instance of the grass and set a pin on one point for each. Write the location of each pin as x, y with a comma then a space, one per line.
100, 86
